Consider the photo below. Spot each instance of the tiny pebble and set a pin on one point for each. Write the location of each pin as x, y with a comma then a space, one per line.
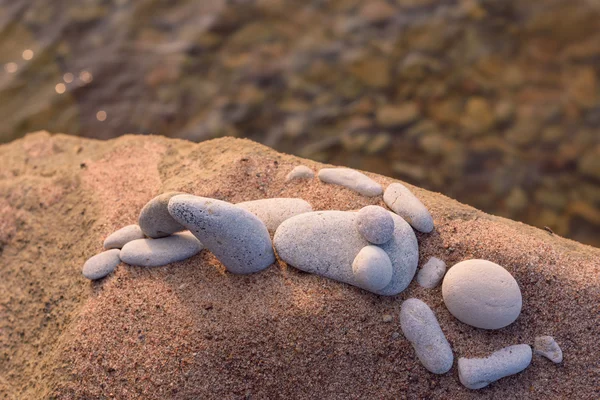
101, 264
387, 318
547, 347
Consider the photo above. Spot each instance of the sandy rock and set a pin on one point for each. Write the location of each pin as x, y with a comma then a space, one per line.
119, 238
431, 274
351, 179
372, 268
238, 238
327, 242
375, 224
155, 220
482, 294
477, 373
161, 251
102, 264
401, 200
421, 328
272, 212
300, 172
547, 347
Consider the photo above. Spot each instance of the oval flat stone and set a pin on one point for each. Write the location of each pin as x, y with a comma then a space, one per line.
161, 251
351, 179
119, 238
300, 172
155, 220
272, 212
431, 274
375, 224
102, 264
482, 294
401, 201
372, 268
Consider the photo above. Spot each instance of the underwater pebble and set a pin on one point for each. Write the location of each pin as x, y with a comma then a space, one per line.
238, 239
118, 238
422, 329
300, 172
477, 373
547, 347
155, 220
372, 268
431, 274
482, 294
375, 224
352, 180
401, 201
161, 251
102, 264
272, 212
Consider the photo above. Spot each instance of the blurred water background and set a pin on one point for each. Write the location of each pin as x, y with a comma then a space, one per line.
495, 102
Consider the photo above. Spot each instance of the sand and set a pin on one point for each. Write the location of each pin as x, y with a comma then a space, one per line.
192, 331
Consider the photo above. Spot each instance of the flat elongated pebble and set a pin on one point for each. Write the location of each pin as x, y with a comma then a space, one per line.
431, 274
375, 224
118, 238
401, 201
422, 329
482, 294
300, 172
351, 179
235, 236
372, 268
327, 242
547, 347
272, 212
155, 220
477, 373
161, 251
102, 264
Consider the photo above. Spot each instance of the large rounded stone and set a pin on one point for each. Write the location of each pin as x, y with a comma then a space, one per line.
155, 219
482, 294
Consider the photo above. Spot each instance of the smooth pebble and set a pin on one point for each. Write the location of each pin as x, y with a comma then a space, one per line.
352, 180
401, 200
272, 212
375, 224
546, 346
477, 373
300, 172
102, 264
155, 220
161, 251
422, 329
431, 274
119, 238
372, 268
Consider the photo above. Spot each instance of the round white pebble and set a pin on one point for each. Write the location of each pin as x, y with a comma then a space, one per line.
375, 224
372, 268
101, 264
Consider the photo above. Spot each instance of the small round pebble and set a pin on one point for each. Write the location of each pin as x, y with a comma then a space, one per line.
546, 346
482, 294
118, 239
155, 220
372, 268
387, 318
422, 329
161, 251
431, 274
404, 203
300, 172
375, 224
101, 264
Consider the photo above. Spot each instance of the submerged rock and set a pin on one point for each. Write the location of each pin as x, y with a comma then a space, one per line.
401, 201
352, 180
272, 212
155, 220
119, 238
161, 251
102, 264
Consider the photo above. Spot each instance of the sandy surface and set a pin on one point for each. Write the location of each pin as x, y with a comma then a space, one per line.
192, 331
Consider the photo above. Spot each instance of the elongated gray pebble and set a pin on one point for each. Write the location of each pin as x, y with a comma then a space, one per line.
372, 268
375, 224
352, 180
161, 251
272, 212
235, 236
477, 373
431, 274
422, 329
155, 220
300, 172
119, 238
102, 264
546, 346
401, 201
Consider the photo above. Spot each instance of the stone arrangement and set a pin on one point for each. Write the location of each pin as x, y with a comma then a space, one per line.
373, 248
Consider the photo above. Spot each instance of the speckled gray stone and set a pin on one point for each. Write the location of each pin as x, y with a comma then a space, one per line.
372, 268
352, 180
401, 200
482, 294
102, 264
272, 212
422, 329
117, 239
375, 224
327, 242
546, 346
477, 373
235, 236
155, 220
161, 251
430, 275
300, 172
